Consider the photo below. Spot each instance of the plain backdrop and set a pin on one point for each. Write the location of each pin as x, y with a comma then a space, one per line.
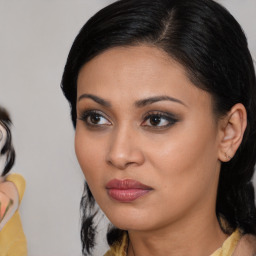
35, 38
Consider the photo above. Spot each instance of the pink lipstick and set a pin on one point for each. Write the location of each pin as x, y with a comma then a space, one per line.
126, 190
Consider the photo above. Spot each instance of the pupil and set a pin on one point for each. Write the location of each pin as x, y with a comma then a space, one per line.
155, 120
95, 118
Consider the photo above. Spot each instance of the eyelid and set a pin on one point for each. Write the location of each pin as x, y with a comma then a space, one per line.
83, 115
171, 118
160, 113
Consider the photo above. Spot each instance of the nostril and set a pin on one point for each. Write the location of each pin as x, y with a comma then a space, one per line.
119, 162
122, 160
122, 165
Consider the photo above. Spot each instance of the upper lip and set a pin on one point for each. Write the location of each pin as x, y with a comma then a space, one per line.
126, 184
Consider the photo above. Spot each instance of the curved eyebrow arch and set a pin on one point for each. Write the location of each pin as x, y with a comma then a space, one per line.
138, 104
97, 99
151, 100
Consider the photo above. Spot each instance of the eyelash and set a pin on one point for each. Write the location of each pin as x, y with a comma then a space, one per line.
167, 117
89, 114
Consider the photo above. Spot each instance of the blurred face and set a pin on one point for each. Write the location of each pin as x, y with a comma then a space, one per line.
146, 139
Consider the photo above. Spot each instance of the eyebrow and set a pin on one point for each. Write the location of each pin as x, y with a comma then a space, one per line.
151, 100
99, 100
138, 104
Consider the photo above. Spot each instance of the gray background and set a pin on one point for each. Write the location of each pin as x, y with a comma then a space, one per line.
35, 37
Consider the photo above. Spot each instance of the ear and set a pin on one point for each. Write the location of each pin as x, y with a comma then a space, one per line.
232, 128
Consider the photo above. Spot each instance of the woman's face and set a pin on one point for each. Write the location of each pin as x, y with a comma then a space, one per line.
146, 139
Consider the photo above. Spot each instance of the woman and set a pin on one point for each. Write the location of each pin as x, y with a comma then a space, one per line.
162, 97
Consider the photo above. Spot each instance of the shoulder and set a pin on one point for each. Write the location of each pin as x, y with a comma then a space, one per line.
246, 246
19, 183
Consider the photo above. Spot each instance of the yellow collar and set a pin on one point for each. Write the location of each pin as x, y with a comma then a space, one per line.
229, 245
120, 248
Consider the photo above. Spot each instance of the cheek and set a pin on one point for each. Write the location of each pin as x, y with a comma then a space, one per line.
89, 154
186, 161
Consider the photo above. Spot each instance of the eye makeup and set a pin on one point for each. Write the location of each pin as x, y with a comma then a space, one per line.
158, 120
94, 118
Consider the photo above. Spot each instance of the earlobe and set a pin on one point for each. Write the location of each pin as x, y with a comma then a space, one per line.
233, 127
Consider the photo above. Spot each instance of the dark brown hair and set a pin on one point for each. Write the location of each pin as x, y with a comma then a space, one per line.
205, 38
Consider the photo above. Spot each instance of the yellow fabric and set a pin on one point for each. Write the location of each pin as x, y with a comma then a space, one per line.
227, 249
12, 238
229, 245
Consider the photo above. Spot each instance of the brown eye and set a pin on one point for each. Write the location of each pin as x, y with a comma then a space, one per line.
94, 118
155, 120
159, 120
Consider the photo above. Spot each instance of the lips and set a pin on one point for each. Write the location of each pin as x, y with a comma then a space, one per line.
126, 190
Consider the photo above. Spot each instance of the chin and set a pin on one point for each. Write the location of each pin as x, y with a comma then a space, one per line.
128, 220
125, 225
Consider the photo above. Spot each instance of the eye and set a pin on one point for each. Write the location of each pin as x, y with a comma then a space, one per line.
94, 118
159, 120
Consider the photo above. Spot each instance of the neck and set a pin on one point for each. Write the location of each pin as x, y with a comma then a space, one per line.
196, 237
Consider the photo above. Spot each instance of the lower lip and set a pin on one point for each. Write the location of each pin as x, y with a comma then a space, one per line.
127, 195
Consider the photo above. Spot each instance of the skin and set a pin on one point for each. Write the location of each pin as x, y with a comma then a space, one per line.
8, 193
180, 162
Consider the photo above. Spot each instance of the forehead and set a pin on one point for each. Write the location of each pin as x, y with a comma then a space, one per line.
135, 72
128, 59
138, 60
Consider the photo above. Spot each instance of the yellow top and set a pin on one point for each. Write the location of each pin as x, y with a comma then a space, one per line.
227, 249
229, 245
12, 239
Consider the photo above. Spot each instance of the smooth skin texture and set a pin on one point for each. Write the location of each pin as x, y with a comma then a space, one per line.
139, 117
9, 200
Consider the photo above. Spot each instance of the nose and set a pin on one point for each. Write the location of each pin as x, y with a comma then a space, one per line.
124, 149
